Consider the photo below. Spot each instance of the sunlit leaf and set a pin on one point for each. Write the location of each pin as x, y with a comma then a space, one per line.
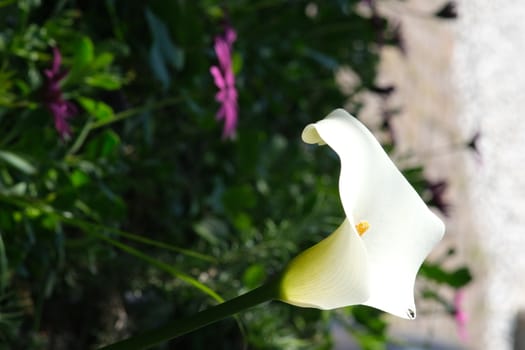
107, 81
79, 178
84, 52
254, 275
98, 109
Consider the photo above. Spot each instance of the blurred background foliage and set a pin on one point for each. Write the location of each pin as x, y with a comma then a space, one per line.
144, 213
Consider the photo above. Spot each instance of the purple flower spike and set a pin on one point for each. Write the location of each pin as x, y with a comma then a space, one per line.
61, 109
225, 81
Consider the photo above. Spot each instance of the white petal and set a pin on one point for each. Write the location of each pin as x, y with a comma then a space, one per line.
331, 274
402, 228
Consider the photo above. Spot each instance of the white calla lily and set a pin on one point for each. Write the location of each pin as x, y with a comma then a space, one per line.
374, 256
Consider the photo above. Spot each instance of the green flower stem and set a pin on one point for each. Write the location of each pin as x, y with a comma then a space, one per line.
137, 110
137, 238
81, 138
266, 292
92, 125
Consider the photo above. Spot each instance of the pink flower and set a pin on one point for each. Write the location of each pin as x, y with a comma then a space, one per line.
61, 109
225, 82
460, 315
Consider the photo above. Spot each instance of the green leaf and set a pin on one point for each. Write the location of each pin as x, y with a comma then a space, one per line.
163, 52
84, 52
211, 230
254, 276
79, 178
6, 84
139, 238
242, 222
26, 5
104, 145
214, 11
18, 162
103, 60
97, 109
111, 141
107, 81
238, 198
159, 264
456, 278
237, 62
413, 174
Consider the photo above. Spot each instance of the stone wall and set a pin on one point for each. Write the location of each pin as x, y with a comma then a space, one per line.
457, 78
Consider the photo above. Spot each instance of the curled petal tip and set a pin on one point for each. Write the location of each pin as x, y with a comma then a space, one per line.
311, 136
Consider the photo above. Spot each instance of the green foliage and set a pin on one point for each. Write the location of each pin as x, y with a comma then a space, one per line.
146, 214
457, 278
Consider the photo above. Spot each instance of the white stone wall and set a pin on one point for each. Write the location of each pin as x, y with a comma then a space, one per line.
489, 67
459, 77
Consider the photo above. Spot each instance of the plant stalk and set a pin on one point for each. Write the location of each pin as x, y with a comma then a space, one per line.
216, 313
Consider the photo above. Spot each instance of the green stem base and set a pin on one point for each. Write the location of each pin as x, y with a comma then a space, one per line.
177, 328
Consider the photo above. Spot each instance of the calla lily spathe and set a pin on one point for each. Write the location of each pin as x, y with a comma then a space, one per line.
374, 255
